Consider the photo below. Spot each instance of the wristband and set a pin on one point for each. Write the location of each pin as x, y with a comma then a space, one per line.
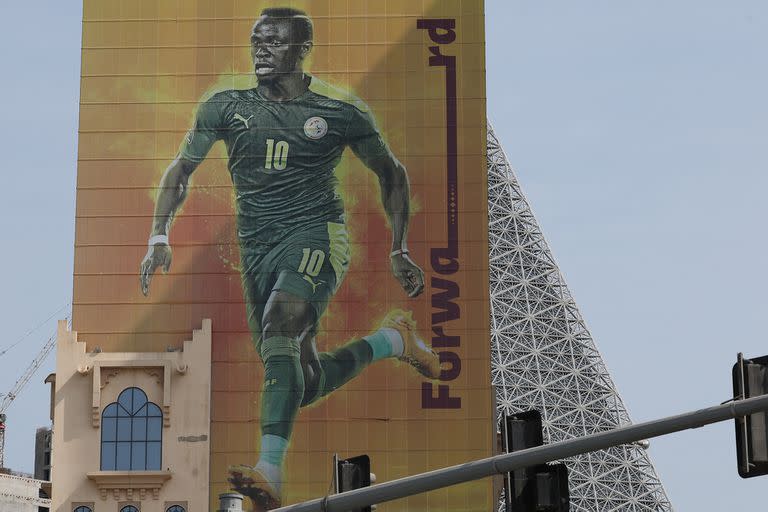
158, 239
398, 252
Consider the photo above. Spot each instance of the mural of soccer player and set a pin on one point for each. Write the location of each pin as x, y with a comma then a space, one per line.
284, 139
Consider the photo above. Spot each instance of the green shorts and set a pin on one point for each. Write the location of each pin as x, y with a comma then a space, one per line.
310, 264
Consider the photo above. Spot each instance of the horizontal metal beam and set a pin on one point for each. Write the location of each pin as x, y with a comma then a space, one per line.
507, 462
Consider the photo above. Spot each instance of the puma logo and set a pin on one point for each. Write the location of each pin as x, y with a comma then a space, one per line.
244, 120
312, 282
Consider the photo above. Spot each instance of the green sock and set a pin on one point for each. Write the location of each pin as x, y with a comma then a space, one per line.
341, 365
272, 449
281, 395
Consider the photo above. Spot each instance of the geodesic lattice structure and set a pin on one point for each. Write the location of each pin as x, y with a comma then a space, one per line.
543, 356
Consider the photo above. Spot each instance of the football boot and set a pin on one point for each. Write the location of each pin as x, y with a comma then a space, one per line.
415, 351
251, 482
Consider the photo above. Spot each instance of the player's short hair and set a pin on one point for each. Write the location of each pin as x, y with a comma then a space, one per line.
301, 25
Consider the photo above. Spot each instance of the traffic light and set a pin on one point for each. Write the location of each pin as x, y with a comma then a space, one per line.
542, 488
518, 432
750, 379
353, 473
551, 484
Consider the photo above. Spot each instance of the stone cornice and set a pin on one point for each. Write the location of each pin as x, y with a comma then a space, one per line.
133, 483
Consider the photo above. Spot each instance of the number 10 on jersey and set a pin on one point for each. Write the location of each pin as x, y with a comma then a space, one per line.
277, 155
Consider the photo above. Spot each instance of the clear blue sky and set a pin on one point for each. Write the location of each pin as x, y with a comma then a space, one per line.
638, 131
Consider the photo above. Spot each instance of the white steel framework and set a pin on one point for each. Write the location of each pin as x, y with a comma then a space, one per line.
543, 356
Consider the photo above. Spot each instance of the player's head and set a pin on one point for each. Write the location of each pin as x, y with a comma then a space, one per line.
280, 40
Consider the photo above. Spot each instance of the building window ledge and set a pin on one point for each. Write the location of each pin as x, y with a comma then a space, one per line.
132, 483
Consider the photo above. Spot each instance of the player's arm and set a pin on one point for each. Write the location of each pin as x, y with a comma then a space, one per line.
174, 186
171, 194
395, 197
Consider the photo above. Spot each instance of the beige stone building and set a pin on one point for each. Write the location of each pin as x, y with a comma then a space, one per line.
131, 430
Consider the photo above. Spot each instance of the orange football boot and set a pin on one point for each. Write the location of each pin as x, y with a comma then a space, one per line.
415, 351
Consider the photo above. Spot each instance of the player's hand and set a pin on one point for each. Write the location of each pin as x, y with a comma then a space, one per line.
409, 274
158, 255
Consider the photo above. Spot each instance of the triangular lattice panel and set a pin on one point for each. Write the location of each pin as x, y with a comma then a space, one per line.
543, 356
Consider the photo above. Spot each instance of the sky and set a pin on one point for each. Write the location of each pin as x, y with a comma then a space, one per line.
638, 132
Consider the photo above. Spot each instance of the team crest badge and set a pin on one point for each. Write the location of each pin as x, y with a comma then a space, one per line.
315, 128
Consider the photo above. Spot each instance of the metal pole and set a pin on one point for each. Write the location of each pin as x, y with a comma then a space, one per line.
475, 470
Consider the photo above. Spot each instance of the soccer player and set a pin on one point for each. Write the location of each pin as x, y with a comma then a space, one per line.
284, 139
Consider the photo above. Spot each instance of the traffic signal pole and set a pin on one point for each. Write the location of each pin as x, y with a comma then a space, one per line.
505, 463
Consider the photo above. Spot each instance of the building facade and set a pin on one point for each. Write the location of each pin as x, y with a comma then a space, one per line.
43, 440
131, 430
21, 494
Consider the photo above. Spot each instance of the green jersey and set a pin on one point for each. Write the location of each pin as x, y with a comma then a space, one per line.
282, 155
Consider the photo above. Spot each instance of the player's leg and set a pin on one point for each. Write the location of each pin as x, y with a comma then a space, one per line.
286, 321
297, 270
327, 371
257, 281
260, 271
395, 338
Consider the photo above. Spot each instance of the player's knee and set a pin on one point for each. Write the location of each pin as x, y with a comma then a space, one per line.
276, 325
283, 347
286, 316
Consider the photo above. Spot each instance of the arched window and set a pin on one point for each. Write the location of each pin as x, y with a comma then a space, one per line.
82, 508
129, 508
131, 434
175, 508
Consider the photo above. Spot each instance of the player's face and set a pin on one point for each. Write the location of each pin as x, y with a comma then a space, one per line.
273, 50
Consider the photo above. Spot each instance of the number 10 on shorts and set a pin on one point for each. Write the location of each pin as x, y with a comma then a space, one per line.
311, 262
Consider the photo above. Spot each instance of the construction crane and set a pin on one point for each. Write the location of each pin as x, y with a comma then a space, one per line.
9, 397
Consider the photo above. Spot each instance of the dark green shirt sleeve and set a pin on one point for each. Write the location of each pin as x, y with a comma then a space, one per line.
364, 137
205, 132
